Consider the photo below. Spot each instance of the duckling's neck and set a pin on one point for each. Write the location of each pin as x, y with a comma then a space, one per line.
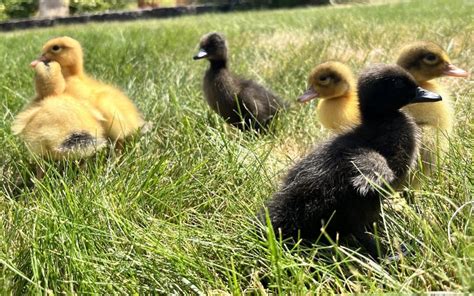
46, 88
394, 135
217, 65
430, 85
436, 115
379, 118
73, 70
339, 113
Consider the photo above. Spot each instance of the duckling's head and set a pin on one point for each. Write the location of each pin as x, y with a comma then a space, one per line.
212, 46
329, 80
49, 80
64, 50
426, 61
383, 89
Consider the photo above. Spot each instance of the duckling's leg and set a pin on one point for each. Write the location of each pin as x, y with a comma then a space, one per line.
119, 146
82, 164
39, 172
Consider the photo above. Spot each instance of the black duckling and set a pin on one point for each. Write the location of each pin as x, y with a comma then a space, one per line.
242, 103
335, 186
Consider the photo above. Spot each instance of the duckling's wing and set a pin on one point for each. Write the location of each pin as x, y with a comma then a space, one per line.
372, 171
258, 100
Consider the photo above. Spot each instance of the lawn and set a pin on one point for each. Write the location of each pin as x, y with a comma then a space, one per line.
175, 212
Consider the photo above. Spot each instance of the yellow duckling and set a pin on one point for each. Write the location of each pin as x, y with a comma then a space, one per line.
122, 117
334, 84
427, 61
56, 125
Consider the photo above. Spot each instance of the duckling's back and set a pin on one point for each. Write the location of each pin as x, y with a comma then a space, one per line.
121, 117
319, 189
243, 103
60, 127
261, 102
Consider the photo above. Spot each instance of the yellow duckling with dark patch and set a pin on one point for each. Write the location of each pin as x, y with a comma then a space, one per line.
427, 61
122, 118
334, 84
56, 125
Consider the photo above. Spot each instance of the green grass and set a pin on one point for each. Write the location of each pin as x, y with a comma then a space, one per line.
175, 212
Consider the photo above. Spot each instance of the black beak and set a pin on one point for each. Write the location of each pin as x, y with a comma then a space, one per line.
200, 55
424, 96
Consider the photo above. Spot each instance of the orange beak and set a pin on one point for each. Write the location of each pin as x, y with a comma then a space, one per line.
454, 71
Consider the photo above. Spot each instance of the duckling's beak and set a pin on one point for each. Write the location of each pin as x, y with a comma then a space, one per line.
423, 96
34, 63
308, 95
38, 60
201, 54
454, 71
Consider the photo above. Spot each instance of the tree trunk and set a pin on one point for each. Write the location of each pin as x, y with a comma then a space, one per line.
53, 8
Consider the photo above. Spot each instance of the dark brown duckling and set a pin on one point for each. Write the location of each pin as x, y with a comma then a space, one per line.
243, 103
335, 186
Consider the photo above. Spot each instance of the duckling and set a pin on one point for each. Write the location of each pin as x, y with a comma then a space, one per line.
242, 103
335, 187
56, 125
334, 83
427, 61
122, 117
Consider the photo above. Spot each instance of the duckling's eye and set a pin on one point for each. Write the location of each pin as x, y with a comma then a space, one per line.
56, 48
324, 80
430, 59
398, 84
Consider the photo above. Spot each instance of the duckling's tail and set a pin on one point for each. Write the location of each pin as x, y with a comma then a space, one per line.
80, 144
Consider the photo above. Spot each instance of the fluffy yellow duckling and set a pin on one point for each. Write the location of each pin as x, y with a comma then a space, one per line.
427, 61
56, 125
334, 84
122, 117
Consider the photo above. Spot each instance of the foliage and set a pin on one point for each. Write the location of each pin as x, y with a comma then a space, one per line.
18, 8
27, 8
80, 6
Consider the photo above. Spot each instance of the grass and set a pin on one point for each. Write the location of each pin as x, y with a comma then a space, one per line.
174, 214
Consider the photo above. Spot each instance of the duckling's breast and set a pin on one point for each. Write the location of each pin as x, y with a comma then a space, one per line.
221, 92
398, 141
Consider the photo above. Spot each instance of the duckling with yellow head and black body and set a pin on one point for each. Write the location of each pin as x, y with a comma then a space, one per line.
336, 187
242, 103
